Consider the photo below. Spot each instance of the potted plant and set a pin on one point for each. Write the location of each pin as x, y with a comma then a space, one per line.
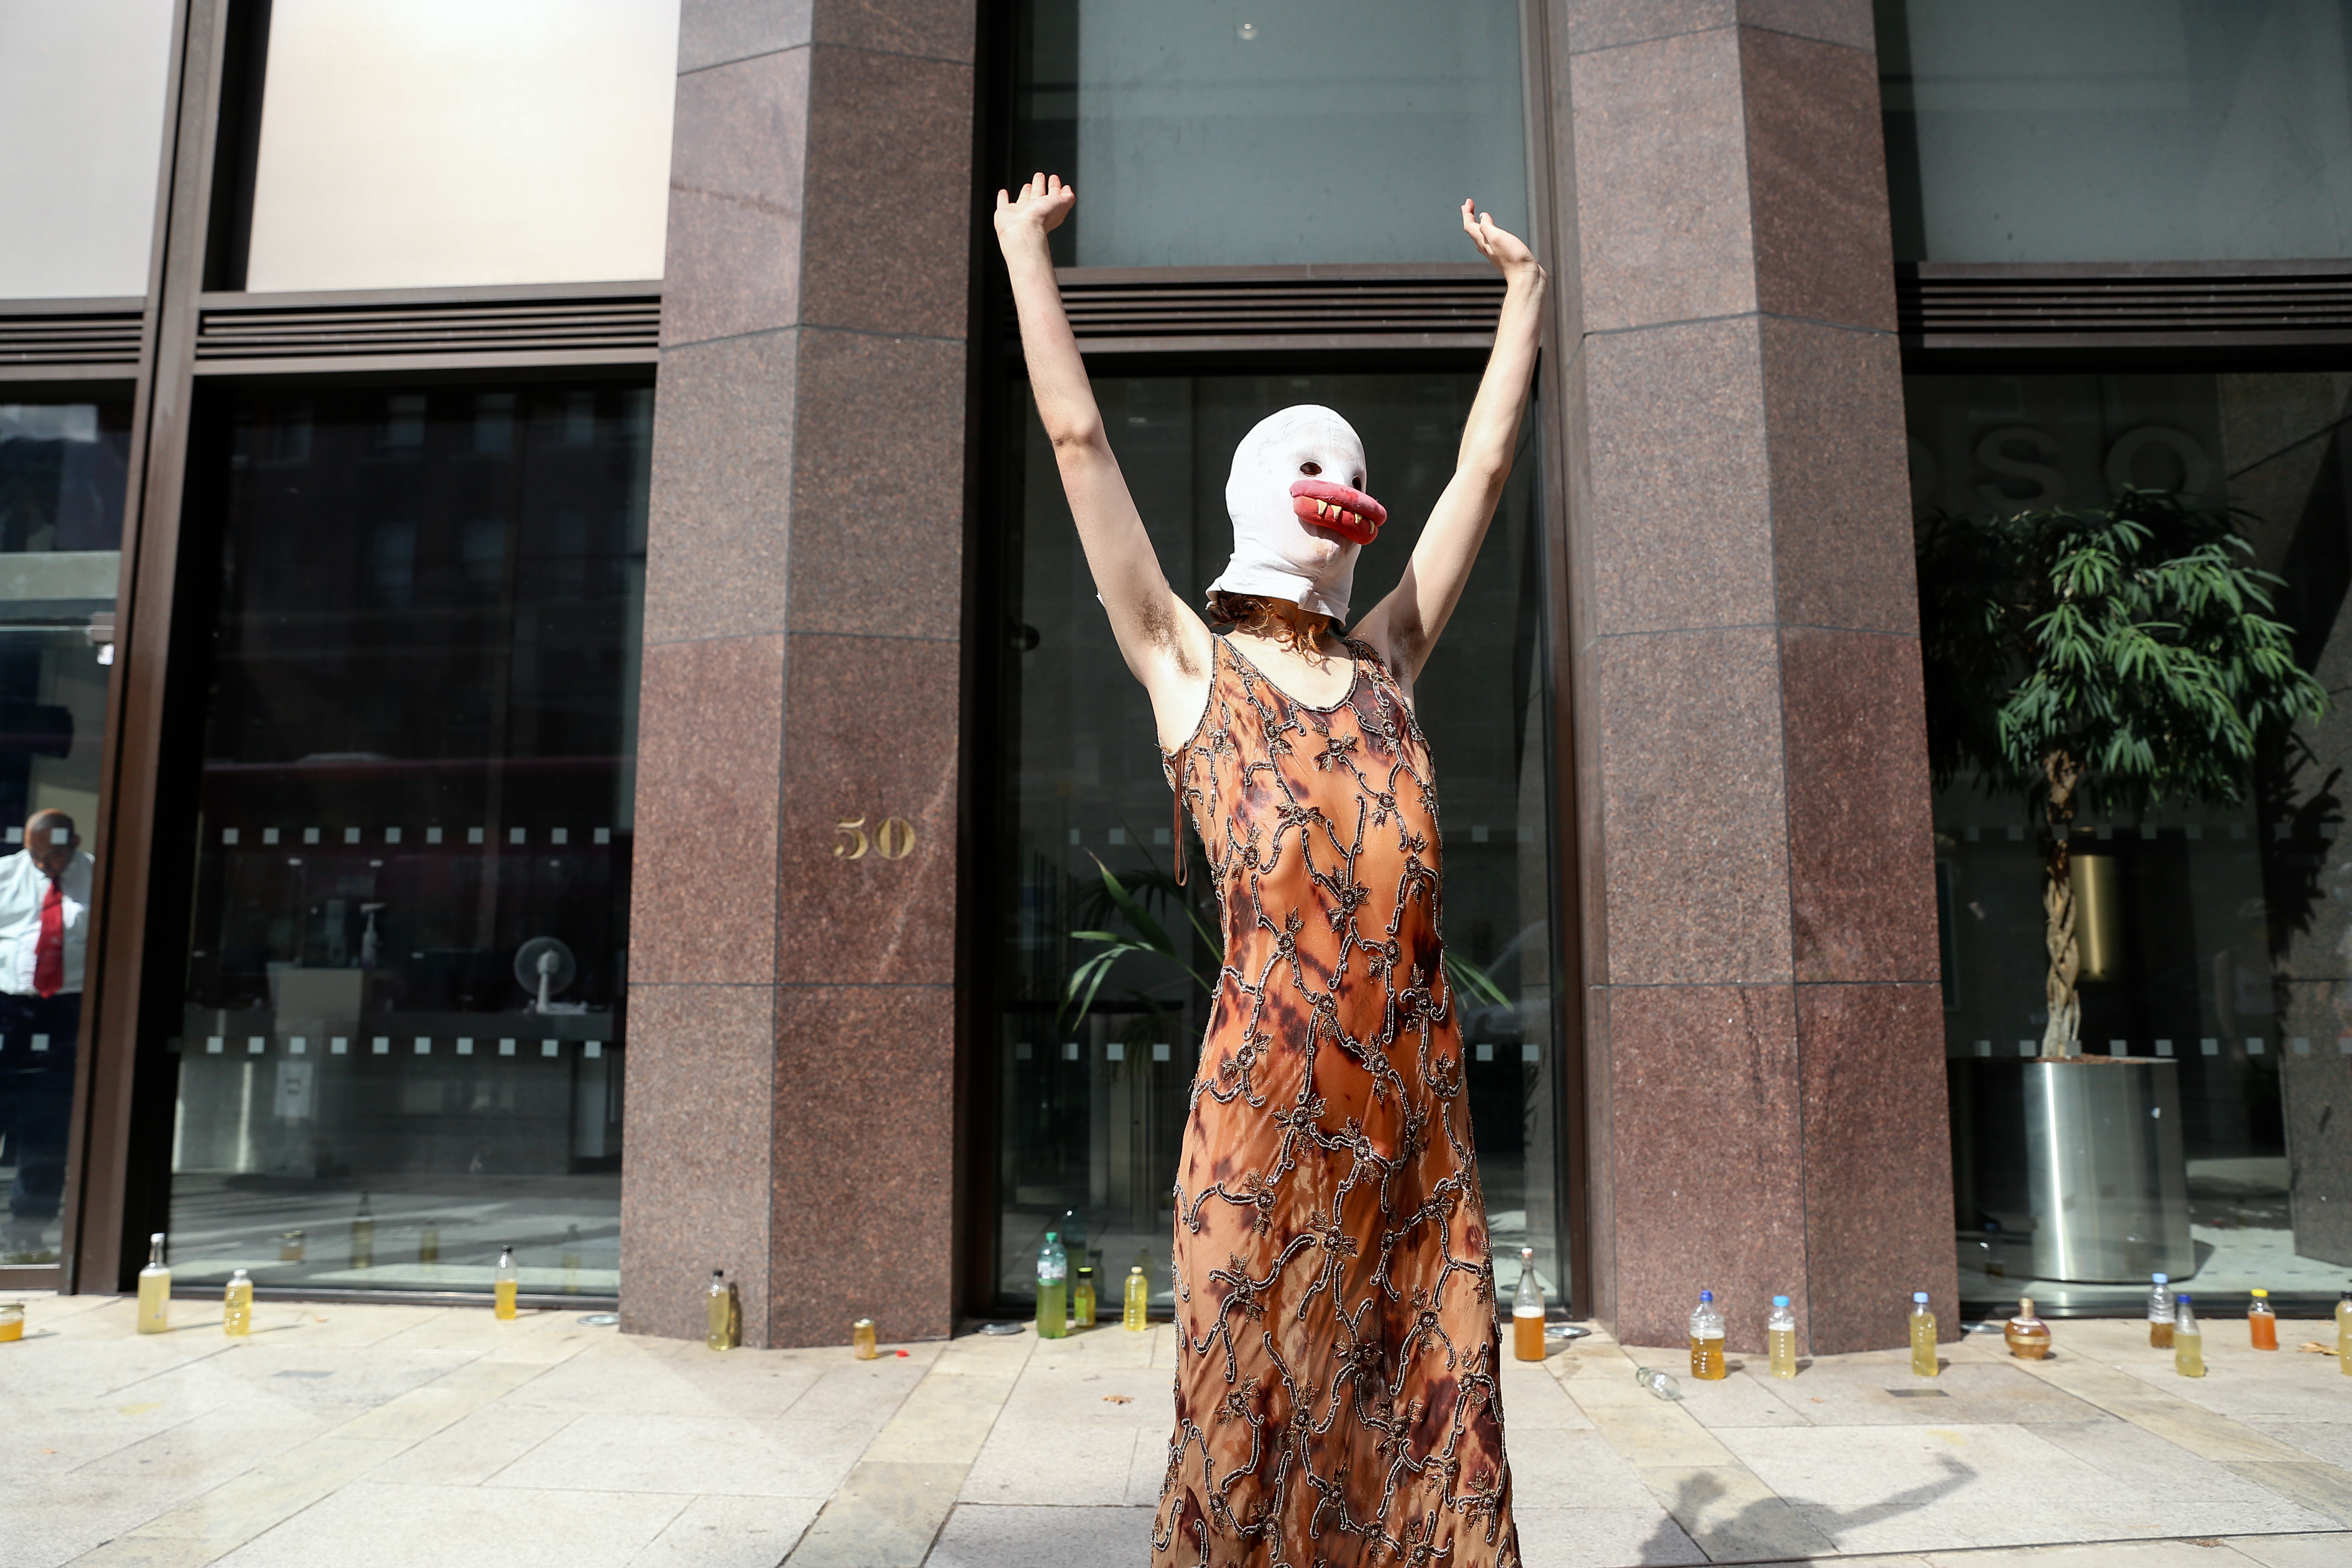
2124, 655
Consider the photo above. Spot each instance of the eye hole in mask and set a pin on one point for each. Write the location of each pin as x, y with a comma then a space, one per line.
1344, 510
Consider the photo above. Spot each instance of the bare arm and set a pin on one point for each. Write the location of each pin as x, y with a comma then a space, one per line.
1404, 626
1165, 644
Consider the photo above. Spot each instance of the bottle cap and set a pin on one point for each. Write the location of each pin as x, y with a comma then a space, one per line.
1920, 1297
2261, 1294
1052, 1235
1135, 1269
2025, 1306
1706, 1295
156, 1239
1526, 1254
2161, 1278
236, 1274
2184, 1298
1779, 1300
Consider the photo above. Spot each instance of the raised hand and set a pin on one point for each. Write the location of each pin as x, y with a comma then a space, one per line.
1506, 250
1037, 209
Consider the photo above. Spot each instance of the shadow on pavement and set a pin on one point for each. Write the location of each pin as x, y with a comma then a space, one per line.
1762, 1525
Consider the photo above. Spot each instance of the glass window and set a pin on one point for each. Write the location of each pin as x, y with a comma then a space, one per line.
82, 96
61, 496
2216, 938
2118, 130
1092, 1103
402, 1027
1332, 131
445, 142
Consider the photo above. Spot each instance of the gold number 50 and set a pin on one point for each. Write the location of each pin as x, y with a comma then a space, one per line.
894, 840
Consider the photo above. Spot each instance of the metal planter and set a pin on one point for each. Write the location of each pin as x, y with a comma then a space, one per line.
2089, 1149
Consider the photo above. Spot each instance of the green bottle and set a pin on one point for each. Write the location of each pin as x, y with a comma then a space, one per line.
1052, 1290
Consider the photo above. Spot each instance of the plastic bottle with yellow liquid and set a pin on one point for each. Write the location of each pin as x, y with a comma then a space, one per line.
503, 1281
2160, 1312
154, 1290
364, 1236
2188, 1339
2344, 1333
1781, 1338
1707, 1339
1528, 1310
2262, 1322
1135, 1316
1923, 1337
716, 1304
1053, 1289
236, 1306
1082, 1299
862, 1339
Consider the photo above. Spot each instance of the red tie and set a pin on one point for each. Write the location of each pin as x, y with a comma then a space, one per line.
49, 952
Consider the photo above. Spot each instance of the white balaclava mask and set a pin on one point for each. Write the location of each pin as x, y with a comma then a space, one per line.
1299, 510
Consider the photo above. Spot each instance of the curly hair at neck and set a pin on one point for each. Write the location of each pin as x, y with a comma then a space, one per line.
1262, 616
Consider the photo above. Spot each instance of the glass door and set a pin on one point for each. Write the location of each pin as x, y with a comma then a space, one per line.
62, 472
401, 1032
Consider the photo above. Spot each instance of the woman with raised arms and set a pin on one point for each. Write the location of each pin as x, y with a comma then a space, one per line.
1336, 1395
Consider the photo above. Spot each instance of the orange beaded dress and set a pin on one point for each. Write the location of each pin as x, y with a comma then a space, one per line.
1336, 1387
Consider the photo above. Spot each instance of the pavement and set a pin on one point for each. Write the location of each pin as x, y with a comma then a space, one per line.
409, 1436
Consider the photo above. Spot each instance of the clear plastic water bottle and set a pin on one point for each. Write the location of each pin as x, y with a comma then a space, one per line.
2160, 1311
1053, 1289
1707, 1339
1661, 1384
1781, 1334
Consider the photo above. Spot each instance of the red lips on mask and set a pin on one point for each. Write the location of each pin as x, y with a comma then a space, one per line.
1349, 513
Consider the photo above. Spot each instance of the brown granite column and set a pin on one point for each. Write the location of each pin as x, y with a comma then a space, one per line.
1763, 1028
790, 1028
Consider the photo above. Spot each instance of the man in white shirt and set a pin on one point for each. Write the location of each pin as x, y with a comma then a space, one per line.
44, 945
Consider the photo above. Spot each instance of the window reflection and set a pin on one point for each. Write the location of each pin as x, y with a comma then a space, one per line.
2217, 937
444, 141
401, 1026
2117, 129
82, 93
1092, 1101
61, 498
1372, 119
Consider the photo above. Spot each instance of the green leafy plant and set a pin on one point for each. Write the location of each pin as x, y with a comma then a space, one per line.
2128, 651
1147, 936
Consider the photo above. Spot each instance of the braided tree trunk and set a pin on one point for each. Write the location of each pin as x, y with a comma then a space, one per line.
2063, 1037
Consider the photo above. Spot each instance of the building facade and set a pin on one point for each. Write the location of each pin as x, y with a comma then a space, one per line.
532, 574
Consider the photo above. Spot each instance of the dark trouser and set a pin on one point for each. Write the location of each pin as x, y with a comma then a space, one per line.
36, 1096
